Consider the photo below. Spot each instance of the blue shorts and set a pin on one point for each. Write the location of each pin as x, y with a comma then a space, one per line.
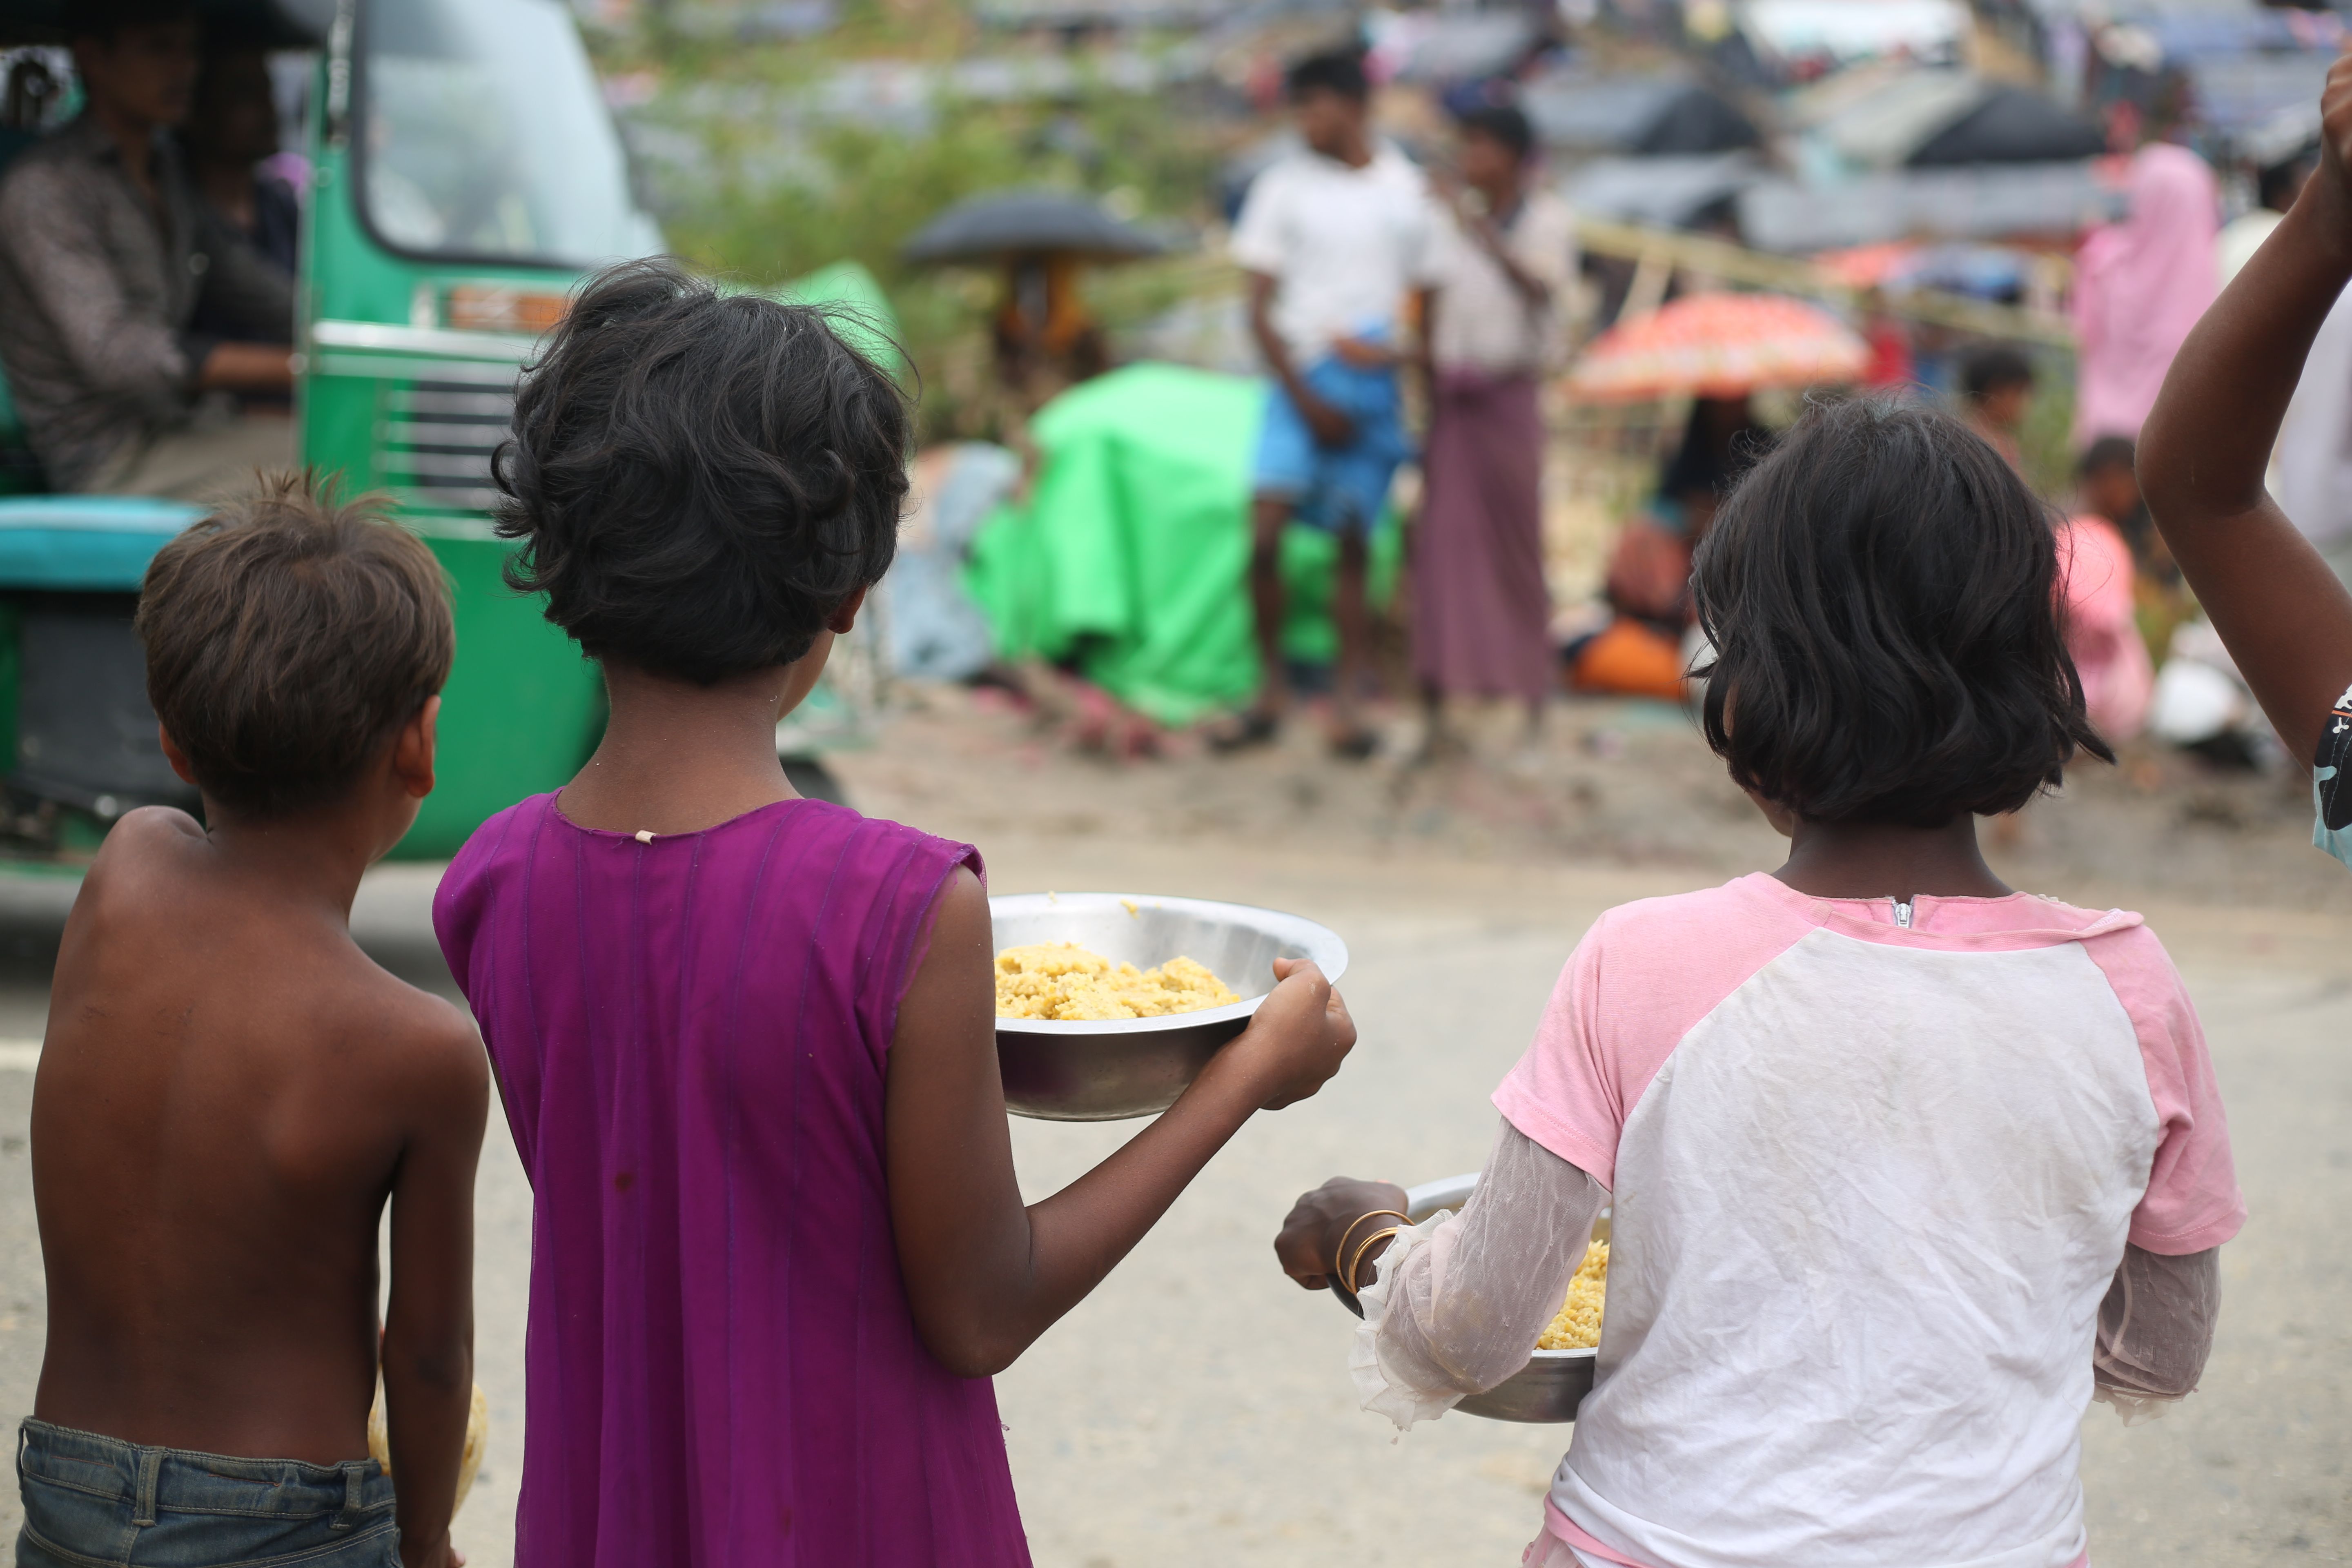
1342, 489
90, 1498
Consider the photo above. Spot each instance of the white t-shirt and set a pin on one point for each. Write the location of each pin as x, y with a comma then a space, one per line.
2311, 471
1483, 322
1871, 1180
1344, 246
2311, 467
2240, 238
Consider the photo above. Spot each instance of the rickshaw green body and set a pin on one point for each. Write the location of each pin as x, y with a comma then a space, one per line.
521, 709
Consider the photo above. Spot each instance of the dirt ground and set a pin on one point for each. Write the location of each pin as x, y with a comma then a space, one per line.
1196, 1409
1611, 782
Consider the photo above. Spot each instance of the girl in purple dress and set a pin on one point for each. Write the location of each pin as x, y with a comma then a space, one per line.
747, 1041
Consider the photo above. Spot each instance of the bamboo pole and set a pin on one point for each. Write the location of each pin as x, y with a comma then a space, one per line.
1652, 249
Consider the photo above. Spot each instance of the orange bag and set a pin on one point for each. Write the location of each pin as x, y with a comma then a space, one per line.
1629, 659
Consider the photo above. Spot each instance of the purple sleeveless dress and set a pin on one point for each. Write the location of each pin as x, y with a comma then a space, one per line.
690, 1037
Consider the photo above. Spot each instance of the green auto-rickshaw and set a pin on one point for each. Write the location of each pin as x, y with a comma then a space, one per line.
464, 174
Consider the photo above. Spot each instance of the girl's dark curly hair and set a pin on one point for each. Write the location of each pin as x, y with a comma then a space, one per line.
1881, 592
699, 479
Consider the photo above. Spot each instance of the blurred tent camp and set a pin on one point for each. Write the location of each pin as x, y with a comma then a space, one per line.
1668, 192
1576, 111
1812, 37
2007, 124
1442, 48
1982, 202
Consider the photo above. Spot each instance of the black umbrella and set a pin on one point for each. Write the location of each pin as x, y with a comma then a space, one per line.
1028, 223
2010, 125
260, 24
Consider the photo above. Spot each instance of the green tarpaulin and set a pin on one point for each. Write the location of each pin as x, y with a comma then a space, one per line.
1131, 555
863, 316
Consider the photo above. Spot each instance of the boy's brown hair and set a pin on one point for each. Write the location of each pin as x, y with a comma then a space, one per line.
288, 634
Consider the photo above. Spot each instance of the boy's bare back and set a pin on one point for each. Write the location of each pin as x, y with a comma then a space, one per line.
229, 1093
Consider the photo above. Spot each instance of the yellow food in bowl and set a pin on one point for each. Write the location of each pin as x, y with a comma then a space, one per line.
1062, 980
1578, 1325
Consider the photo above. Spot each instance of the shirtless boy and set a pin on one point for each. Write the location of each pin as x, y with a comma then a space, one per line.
230, 1090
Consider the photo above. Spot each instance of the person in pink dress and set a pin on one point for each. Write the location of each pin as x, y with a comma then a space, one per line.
1906, 1167
2139, 286
2098, 573
746, 1041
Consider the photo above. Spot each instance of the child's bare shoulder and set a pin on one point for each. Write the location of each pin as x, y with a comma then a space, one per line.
429, 1031
394, 1038
146, 841
414, 1048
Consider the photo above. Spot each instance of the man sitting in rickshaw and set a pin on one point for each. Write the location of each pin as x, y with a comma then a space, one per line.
106, 254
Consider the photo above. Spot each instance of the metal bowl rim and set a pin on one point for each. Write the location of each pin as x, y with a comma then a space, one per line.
1321, 942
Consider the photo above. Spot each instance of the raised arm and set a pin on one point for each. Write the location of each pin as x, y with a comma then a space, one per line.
428, 1331
2288, 621
2155, 1329
985, 1274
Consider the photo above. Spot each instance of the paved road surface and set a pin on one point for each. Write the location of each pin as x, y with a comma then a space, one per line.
1196, 1410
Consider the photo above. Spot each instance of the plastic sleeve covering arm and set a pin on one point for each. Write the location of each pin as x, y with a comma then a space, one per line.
2155, 1329
1461, 1298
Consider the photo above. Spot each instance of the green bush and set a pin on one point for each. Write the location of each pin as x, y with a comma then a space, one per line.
787, 192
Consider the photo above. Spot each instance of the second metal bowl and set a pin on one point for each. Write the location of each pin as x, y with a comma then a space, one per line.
1553, 1383
1108, 1069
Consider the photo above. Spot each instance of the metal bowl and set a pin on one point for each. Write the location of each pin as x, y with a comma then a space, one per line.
1118, 1067
1553, 1383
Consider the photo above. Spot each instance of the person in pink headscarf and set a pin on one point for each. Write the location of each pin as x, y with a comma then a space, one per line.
2139, 286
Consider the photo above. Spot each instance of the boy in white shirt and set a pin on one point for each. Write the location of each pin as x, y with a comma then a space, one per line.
1333, 239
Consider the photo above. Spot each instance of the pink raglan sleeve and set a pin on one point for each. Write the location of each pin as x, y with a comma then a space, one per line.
1564, 1093
2193, 1201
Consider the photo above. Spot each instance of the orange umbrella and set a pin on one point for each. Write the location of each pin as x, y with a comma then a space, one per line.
1718, 345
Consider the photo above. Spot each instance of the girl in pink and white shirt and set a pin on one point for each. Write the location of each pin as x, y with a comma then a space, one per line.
1906, 1167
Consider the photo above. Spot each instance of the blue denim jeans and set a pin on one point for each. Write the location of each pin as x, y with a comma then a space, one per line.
94, 1502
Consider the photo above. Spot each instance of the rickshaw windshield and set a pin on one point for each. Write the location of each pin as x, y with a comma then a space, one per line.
482, 137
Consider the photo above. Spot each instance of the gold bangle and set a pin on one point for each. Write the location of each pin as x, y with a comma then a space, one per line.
1341, 1250
1365, 1246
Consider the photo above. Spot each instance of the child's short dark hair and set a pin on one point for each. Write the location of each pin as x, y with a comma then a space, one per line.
699, 479
1994, 368
1503, 123
1881, 594
2107, 452
1339, 70
288, 634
